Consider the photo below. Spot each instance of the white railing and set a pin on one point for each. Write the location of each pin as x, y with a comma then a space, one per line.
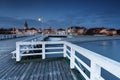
70, 51
96, 62
37, 48
10, 36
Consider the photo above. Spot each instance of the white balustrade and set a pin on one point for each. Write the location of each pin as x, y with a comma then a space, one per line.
96, 61
10, 36
18, 57
22, 51
43, 51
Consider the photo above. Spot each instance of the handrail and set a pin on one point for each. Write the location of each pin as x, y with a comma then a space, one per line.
10, 36
96, 61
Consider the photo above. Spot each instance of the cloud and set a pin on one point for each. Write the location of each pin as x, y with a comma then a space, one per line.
8, 22
76, 19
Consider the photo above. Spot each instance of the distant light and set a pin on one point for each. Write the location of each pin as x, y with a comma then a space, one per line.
39, 19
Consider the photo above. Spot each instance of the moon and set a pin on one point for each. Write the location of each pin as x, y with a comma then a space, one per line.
39, 19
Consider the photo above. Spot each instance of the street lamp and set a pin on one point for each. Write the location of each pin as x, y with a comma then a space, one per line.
40, 20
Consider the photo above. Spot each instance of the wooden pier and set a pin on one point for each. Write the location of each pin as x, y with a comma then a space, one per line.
54, 69
50, 69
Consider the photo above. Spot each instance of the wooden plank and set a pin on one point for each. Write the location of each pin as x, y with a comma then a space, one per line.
59, 71
67, 70
34, 73
54, 70
25, 73
50, 72
62, 71
38, 71
46, 76
42, 70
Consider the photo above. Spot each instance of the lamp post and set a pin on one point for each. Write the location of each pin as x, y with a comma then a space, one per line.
40, 20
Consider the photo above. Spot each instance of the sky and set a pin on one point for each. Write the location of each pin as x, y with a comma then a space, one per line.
60, 13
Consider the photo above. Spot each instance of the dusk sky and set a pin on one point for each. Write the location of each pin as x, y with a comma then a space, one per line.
60, 13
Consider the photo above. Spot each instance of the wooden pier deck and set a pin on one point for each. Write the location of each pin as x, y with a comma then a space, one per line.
50, 69
56, 69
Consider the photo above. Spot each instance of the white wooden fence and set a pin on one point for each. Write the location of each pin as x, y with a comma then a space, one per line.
70, 51
10, 36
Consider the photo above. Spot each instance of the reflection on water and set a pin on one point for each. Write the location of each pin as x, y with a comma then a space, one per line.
104, 43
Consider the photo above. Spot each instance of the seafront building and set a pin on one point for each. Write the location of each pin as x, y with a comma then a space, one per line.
26, 30
48, 31
73, 30
61, 31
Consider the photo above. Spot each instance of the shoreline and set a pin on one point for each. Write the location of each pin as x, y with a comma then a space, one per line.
87, 38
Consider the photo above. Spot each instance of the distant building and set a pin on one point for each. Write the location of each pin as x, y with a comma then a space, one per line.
6, 31
112, 32
93, 31
31, 31
26, 30
75, 30
61, 31
118, 31
40, 30
26, 26
20, 31
81, 31
48, 31
13, 31
102, 31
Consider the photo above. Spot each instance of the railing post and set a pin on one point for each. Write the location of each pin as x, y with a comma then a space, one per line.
72, 58
65, 47
43, 50
95, 71
18, 57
